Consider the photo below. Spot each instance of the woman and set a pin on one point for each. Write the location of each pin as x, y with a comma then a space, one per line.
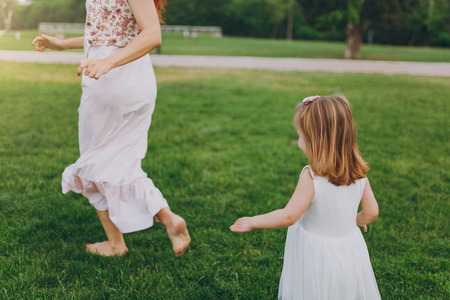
119, 93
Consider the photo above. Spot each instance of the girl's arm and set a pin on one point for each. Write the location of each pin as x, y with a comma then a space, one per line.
44, 41
369, 205
148, 39
285, 217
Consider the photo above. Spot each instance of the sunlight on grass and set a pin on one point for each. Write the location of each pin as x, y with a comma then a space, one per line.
38, 73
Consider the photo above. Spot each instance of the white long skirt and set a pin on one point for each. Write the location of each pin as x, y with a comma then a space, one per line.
114, 118
320, 268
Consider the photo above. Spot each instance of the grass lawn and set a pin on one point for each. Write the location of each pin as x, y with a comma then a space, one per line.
222, 145
234, 46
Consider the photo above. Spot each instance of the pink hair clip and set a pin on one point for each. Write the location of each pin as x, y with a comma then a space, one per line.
310, 99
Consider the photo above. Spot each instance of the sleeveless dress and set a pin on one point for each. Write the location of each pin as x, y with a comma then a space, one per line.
114, 118
325, 256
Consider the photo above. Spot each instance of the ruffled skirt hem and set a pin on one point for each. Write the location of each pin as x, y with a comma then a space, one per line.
131, 206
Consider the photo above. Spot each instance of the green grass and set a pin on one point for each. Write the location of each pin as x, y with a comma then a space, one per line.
233, 46
222, 145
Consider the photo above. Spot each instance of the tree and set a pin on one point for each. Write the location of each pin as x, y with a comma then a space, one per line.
338, 15
7, 9
29, 16
256, 18
409, 22
195, 12
353, 29
276, 14
401, 22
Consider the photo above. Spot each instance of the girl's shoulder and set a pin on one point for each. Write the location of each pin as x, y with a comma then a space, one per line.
307, 172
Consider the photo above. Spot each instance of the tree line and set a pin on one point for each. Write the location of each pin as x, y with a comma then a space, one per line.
397, 22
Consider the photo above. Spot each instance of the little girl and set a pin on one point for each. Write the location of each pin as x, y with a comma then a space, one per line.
325, 254
119, 93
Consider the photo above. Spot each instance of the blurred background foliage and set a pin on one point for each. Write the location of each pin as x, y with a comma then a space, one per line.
395, 22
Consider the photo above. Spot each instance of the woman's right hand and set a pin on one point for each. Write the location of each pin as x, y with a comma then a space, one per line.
44, 41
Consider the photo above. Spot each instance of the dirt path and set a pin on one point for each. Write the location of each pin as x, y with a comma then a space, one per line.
265, 63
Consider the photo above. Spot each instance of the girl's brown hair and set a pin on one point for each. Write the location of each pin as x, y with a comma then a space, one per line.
329, 133
160, 8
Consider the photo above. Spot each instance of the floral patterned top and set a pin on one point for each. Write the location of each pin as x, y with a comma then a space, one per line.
110, 23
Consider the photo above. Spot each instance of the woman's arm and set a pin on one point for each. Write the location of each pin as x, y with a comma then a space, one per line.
148, 39
44, 41
369, 205
298, 204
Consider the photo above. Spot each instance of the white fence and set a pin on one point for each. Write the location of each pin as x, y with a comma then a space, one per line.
52, 28
193, 30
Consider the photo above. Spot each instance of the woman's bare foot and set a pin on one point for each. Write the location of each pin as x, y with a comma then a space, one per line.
106, 249
176, 229
178, 235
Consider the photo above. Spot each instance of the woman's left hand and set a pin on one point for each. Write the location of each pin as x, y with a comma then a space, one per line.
94, 68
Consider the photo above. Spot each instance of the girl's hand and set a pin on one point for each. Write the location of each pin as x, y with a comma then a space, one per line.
242, 225
44, 41
363, 226
94, 67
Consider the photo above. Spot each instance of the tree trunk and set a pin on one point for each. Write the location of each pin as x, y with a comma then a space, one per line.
274, 32
430, 16
430, 9
354, 41
290, 20
8, 20
7, 9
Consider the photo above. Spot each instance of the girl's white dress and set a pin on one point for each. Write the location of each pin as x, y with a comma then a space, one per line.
114, 118
325, 256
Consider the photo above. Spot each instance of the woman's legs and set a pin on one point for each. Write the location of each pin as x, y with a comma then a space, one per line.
176, 229
115, 245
